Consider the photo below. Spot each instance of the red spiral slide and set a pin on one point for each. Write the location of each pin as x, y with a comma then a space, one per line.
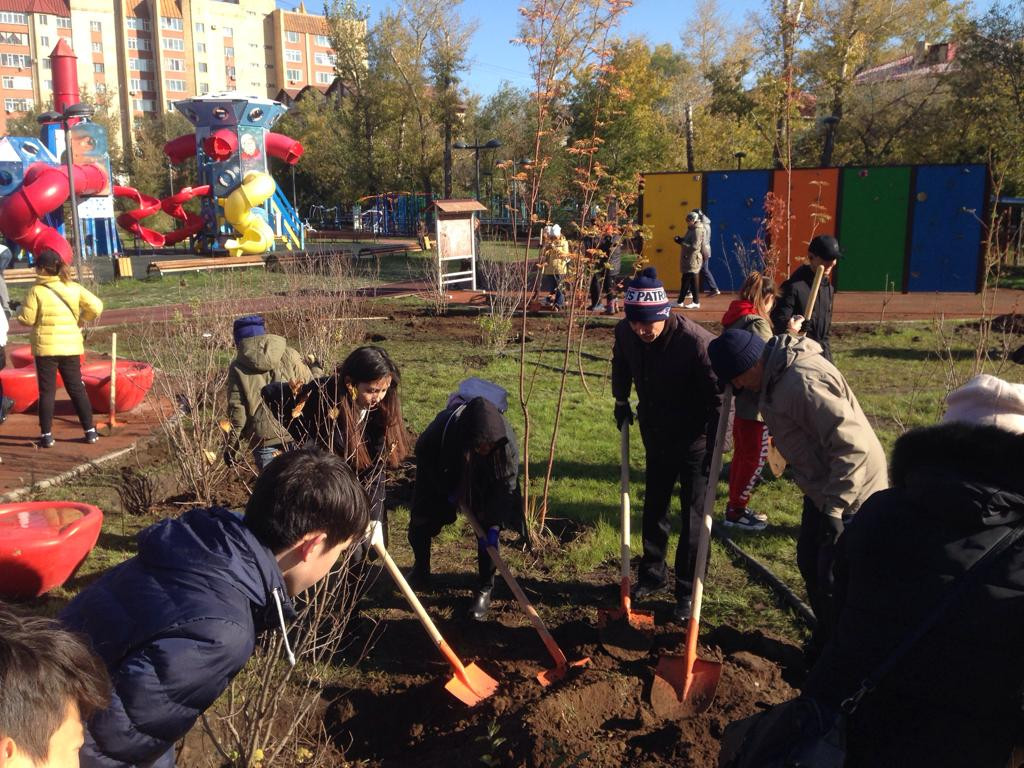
173, 206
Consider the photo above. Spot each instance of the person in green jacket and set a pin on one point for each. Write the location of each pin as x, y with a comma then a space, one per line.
262, 358
55, 308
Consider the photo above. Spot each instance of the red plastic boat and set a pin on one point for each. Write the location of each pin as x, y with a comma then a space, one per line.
21, 386
133, 382
42, 543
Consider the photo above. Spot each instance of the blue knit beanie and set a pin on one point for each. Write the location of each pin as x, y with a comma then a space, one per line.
250, 325
646, 300
733, 353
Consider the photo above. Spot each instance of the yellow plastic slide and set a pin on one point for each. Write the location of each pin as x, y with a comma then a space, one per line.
256, 236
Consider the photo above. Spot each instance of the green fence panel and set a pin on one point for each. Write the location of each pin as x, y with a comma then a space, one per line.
873, 228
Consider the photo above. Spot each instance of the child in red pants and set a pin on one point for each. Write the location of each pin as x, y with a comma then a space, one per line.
750, 436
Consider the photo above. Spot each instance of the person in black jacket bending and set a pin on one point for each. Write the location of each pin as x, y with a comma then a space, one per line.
178, 621
796, 291
467, 458
954, 698
665, 357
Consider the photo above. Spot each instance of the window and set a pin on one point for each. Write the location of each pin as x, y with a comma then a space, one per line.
199, 27
140, 25
325, 78
175, 65
142, 65
97, 47
230, 72
324, 59
100, 87
292, 56
15, 60
228, 31
8, 83
97, 67
48, 85
13, 38
291, 37
323, 40
95, 26
175, 85
17, 105
256, 65
294, 74
143, 105
139, 44
44, 41
140, 84
63, 22
204, 88
200, 47
46, 63
167, 22
170, 105
15, 18
173, 44
44, 20
229, 51
202, 67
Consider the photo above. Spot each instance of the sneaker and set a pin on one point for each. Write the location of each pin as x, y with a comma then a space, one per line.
597, 308
5, 408
681, 303
46, 441
91, 436
745, 519
712, 293
691, 305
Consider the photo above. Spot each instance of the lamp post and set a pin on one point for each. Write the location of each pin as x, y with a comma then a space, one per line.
830, 133
739, 159
492, 144
74, 112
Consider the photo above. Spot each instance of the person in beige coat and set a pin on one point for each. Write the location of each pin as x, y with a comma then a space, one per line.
691, 256
821, 430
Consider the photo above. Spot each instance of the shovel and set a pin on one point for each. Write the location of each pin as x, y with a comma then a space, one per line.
548, 676
622, 628
470, 684
684, 686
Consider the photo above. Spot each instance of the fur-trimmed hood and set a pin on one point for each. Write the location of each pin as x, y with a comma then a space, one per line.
956, 467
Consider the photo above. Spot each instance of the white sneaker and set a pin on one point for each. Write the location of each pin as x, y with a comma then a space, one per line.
681, 303
597, 308
691, 305
745, 520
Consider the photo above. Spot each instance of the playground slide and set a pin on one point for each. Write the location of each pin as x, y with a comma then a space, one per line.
181, 149
256, 235
45, 189
284, 147
149, 205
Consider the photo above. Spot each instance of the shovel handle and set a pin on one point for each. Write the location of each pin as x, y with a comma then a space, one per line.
812, 299
418, 609
624, 552
704, 543
531, 612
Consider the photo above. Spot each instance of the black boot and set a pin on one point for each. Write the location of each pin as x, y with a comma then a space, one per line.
419, 577
482, 599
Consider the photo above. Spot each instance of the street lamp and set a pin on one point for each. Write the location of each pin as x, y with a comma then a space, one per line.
739, 159
830, 132
492, 144
74, 112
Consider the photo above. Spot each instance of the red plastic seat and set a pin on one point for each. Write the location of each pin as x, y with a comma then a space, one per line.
134, 380
21, 386
42, 544
21, 356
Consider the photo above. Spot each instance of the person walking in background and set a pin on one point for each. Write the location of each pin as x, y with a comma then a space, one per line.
665, 357
706, 278
690, 260
55, 308
555, 260
820, 429
50, 685
823, 251
608, 266
751, 441
260, 359
6, 257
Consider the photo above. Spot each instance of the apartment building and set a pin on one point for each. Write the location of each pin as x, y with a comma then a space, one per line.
146, 54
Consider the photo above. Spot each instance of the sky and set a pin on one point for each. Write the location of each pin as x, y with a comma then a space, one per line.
494, 59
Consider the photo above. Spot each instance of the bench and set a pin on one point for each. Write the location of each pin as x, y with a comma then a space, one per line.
28, 274
169, 266
379, 251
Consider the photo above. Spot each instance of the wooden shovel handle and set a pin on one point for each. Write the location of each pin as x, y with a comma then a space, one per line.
624, 552
812, 299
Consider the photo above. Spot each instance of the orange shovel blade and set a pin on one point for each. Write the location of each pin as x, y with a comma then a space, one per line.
473, 687
676, 694
548, 676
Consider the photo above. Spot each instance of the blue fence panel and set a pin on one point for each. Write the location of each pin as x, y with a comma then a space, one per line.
734, 201
948, 209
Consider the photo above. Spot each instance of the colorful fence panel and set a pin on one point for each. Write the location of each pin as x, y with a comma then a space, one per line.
812, 211
948, 207
734, 201
873, 228
668, 197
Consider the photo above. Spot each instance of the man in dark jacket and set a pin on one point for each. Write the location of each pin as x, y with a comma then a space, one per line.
954, 698
796, 291
176, 623
665, 357
467, 458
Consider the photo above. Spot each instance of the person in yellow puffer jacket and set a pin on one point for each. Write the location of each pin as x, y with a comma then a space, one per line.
55, 309
554, 258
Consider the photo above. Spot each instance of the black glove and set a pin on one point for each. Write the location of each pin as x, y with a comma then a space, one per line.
831, 529
623, 413
678, 240
229, 457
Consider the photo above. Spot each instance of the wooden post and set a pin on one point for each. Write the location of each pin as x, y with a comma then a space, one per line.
113, 381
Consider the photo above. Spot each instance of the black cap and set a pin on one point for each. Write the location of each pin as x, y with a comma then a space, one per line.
824, 247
